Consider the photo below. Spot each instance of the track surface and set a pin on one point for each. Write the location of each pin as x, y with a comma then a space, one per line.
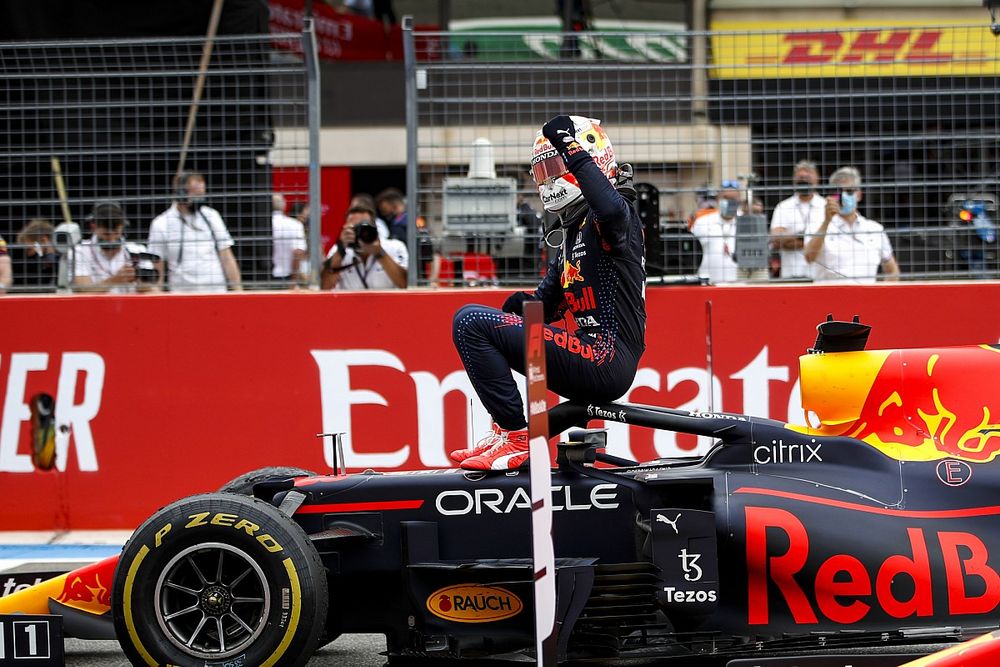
364, 651
354, 650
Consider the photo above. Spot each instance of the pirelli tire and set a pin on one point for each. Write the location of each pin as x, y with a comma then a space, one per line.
244, 484
219, 579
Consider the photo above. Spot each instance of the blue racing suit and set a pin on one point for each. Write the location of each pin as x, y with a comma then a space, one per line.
598, 278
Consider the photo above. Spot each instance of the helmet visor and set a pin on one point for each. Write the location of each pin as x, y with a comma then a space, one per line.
547, 166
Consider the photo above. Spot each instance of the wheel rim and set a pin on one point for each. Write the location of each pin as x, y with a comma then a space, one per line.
212, 600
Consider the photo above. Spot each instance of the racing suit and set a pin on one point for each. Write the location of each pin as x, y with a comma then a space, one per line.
598, 277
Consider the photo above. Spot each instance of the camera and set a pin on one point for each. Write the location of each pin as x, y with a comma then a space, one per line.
66, 235
143, 263
365, 232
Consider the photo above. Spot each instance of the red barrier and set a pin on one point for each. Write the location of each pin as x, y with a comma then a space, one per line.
160, 396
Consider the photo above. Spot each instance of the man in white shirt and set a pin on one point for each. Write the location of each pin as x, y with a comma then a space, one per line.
793, 217
716, 231
846, 246
102, 263
193, 242
288, 243
360, 260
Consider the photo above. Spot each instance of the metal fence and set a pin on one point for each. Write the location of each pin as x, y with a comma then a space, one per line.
84, 122
914, 110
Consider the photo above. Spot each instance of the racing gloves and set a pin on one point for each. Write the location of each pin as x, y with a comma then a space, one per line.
515, 302
561, 133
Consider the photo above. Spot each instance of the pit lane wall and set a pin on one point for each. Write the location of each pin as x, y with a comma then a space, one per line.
161, 396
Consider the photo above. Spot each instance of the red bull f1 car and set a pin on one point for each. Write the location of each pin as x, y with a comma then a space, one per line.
874, 527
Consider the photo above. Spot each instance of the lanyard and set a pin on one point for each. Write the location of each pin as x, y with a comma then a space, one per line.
184, 224
368, 268
805, 215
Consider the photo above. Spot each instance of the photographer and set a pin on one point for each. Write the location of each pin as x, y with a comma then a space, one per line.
360, 260
104, 263
847, 247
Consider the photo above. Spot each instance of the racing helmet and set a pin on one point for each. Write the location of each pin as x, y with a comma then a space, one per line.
556, 186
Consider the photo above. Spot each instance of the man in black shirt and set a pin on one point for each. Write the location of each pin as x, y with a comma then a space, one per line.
598, 279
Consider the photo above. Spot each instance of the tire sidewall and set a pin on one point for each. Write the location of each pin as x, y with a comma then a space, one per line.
273, 541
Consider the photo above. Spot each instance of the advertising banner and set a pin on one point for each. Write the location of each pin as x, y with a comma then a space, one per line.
782, 50
159, 396
525, 39
340, 36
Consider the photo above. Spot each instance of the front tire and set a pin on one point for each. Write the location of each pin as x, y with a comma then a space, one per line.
219, 578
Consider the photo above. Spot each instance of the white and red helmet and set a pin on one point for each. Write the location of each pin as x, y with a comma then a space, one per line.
556, 186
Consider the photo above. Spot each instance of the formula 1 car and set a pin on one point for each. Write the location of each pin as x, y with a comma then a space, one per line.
872, 528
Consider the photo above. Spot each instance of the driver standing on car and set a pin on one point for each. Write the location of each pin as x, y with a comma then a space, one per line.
598, 278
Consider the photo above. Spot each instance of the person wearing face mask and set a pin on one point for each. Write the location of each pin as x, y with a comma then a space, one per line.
597, 277
192, 240
103, 263
34, 259
791, 219
846, 246
716, 231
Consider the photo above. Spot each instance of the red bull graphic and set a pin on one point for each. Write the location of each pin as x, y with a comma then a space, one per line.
87, 588
913, 405
929, 571
569, 342
584, 301
571, 273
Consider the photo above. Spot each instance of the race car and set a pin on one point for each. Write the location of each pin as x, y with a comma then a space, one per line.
873, 527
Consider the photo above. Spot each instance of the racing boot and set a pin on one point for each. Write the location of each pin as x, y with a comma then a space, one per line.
480, 447
508, 454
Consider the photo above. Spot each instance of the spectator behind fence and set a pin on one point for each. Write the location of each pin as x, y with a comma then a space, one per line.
288, 244
360, 260
193, 241
103, 263
392, 208
793, 217
34, 260
716, 231
846, 246
6, 273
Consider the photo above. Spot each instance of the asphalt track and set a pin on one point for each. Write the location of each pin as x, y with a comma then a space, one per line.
352, 650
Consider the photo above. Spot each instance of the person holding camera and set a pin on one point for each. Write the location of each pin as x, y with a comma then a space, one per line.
193, 242
847, 247
361, 260
104, 263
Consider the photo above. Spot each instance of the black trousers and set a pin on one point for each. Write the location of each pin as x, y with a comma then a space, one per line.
490, 343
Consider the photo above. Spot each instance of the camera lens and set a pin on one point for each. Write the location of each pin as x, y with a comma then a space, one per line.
366, 232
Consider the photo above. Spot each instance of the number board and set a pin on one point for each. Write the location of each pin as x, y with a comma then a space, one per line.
31, 640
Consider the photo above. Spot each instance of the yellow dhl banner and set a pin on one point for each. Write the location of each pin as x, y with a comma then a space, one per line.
781, 50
